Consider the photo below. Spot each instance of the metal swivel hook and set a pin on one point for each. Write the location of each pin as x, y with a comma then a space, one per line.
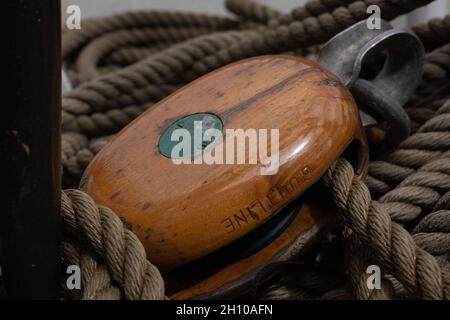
381, 99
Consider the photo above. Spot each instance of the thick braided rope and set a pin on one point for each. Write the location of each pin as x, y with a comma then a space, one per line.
330, 279
434, 33
95, 277
438, 66
443, 203
91, 56
163, 22
413, 267
92, 28
106, 105
326, 13
416, 269
217, 50
315, 8
433, 233
77, 153
426, 145
74, 41
423, 106
107, 237
420, 191
126, 56
357, 261
252, 11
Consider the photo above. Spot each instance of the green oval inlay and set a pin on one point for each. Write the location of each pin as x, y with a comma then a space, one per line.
196, 125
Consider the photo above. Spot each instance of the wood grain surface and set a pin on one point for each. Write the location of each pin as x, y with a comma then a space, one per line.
184, 212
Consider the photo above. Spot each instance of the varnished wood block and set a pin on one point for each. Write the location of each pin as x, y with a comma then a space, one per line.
184, 212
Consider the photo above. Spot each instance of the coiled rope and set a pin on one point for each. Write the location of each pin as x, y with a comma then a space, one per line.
121, 65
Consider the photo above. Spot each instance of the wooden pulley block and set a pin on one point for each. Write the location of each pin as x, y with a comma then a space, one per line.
209, 218
183, 212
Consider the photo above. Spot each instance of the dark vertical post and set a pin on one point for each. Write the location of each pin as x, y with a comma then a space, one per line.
30, 168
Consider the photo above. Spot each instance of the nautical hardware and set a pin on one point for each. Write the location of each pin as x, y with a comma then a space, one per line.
184, 212
380, 99
188, 210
